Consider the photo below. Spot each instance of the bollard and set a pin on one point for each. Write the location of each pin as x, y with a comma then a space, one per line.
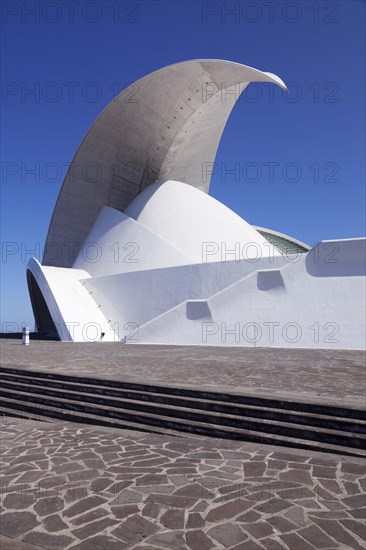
25, 337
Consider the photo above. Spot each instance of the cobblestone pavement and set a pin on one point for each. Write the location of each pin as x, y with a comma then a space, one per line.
322, 376
67, 485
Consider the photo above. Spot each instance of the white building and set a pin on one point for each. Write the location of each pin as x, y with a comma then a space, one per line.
137, 251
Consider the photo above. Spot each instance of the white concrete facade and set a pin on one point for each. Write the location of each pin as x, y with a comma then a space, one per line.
163, 262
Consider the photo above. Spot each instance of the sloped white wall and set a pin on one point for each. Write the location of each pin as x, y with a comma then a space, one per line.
188, 220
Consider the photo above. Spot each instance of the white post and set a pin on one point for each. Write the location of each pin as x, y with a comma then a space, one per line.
25, 337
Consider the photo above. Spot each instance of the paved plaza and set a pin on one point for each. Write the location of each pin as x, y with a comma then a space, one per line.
317, 376
66, 485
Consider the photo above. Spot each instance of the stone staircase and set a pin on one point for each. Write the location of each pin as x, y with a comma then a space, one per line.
162, 409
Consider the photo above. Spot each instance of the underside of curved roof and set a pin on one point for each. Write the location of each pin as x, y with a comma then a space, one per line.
162, 127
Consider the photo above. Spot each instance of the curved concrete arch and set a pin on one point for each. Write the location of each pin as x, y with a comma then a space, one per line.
163, 127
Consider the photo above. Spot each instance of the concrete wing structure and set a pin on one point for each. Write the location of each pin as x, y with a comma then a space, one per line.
164, 126
137, 251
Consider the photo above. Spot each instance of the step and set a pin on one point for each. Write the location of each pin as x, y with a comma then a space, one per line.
321, 421
152, 415
231, 398
192, 413
198, 430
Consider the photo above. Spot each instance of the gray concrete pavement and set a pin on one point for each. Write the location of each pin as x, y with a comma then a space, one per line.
319, 376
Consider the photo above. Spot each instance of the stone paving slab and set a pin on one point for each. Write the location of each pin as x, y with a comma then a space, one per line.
70, 486
332, 377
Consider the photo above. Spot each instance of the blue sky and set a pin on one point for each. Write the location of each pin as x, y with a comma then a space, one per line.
300, 157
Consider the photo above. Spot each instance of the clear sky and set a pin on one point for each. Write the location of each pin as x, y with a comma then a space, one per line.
300, 158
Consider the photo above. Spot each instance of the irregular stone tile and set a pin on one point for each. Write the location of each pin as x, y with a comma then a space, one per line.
52, 481
323, 494
248, 545
194, 490
46, 540
151, 510
163, 489
337, 532
31, 477
296, 493
94, 464
153, 479
355, 501
149, 462
223, 475
168, 454
258, 530
235, 455
288, 457
14, 524
208, 455
230, 487
49, 505
93, 528
299, 476
27, 458
227, 534
273, 544
101, 542
249, 517
272, 506
323, 471
228, 510
54, 523
309, 503
359, 513
171, 501
356, 527
333, 486
319, 460
67, 467
99, 484
82, 475
335, 505
127, 497
19, 500
173, 519
76, 492
195, 520
299, 466
198, 540
180, 471
133, 470
353, 468
93, 515
122, 511
200, 506
362, 483
254, 469
174, 540
282, 524
351, 488
277, 464
119, 486
316, 537
84, 505
295, 542
135, 529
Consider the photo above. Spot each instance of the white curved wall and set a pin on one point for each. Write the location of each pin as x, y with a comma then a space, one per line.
118, 244
187, 218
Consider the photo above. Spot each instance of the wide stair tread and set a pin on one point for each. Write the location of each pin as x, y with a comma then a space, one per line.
180, 429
